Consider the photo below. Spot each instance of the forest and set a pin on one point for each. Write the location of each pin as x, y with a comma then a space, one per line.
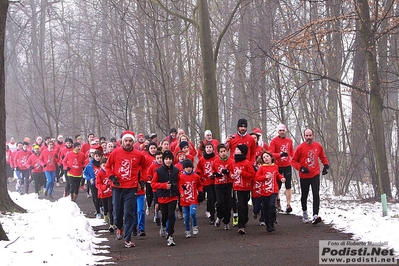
103, 66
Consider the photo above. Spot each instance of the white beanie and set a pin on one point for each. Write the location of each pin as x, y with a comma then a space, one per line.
207, 132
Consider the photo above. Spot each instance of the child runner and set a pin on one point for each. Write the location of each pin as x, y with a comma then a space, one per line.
242, 173
268, 175
181, 157
189, 186
256, 189
150, 174
223, 186
204, 168
165, 181
90, 173
103, 184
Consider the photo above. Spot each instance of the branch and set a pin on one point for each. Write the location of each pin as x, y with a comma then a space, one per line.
11, 242
219, 40
176, 14
320, 76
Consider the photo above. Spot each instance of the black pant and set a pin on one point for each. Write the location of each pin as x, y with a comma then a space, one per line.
9, 171
40, 180
168, 213
67, 183
59, 171
108, 209
210, 200
149, 194
269, 208
25, 179
313, 182
75, 181
242, 206
94, 196
223, 196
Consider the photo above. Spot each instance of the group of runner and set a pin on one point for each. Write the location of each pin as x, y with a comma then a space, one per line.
129, 179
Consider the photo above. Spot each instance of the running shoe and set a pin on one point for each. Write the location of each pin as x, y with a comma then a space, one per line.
119, 234
170, 241
129, 244
195, 230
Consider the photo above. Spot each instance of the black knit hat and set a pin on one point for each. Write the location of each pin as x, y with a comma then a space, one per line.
75, 144
242, 123
183, 144
173, 130
243, 148
187, 163
152, 144
68, 140
166, 154
153, 136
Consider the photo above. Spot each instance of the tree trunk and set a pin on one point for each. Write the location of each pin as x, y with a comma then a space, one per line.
359, 132
376, 98
6, 204
211, 105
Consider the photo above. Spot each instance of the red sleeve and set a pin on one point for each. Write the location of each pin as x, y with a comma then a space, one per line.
249, 172
157, 185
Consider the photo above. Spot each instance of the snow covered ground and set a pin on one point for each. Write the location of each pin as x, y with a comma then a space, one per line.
50, 233
57, 233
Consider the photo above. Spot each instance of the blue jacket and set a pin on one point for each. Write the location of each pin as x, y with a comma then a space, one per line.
88, 173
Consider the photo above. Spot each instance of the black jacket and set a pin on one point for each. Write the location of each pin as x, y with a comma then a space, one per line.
168, 175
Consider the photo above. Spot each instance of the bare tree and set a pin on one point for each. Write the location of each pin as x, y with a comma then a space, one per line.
6, 204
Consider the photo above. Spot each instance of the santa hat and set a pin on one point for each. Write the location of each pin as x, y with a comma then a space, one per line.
140, 135
39, 138
257, 131
128, 134
96, 148
60, 137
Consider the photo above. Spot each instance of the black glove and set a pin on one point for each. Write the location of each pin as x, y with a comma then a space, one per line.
325, 169
216, 174
141, 184
201, 197
225, 171
304, 170
183, 187
114, 180
44, 165
68, 169
31, 168
283, 154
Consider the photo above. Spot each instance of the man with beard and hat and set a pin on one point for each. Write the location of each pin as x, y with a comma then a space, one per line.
239, 138
124, 167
